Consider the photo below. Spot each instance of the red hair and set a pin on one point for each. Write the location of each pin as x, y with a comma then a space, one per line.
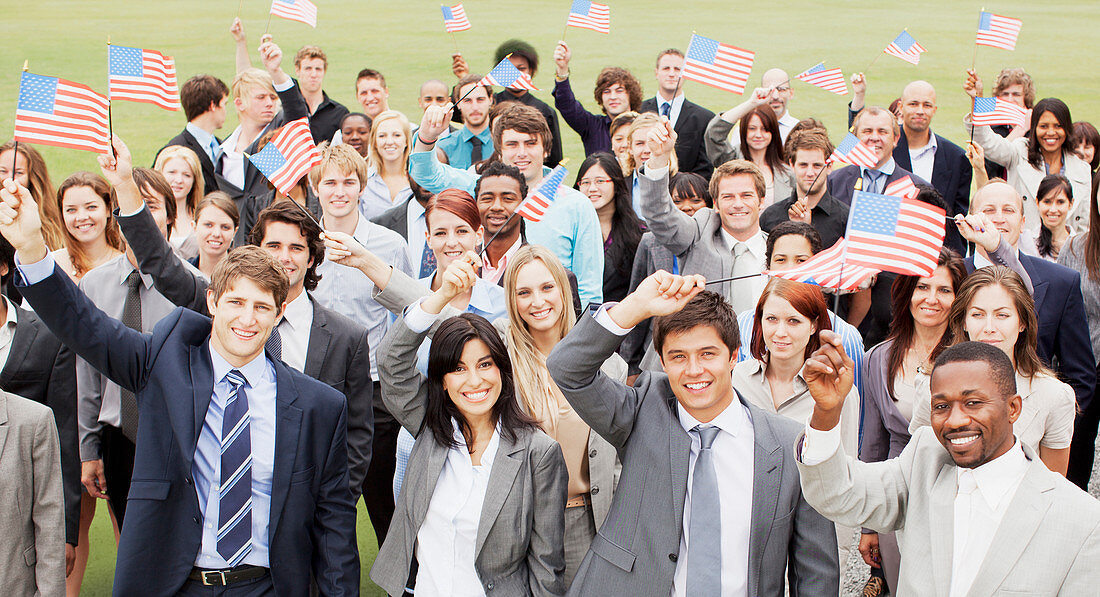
458, 202
805, 298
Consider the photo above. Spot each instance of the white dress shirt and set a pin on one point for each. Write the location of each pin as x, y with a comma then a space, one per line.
232, 161
674, 110
294, 331
923, 159
747, 292
786, 123
416, 234
7, 330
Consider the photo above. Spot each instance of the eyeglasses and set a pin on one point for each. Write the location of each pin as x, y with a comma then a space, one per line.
594, 181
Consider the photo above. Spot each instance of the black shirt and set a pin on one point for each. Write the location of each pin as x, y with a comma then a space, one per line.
829, 217
548, 113
324, 123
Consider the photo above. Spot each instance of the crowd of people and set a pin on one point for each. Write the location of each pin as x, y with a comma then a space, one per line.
566, 405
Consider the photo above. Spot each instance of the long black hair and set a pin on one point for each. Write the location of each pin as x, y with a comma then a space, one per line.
626, 226
1050, 185
1060, 110
444, 356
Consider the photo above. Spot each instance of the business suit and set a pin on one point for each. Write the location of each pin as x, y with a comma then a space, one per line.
1048, 541
42, 369
637, 347
635, 551
32, 518
337, 353
171, 374
519, 537
841, 183
689, 126
186, 139
951, 175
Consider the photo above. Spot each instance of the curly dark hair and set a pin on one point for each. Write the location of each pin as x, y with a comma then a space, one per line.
614, 75
288, 212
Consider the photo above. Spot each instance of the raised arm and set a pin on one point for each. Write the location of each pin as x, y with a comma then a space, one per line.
673, 228
716, 138
294, 104
979, 229
580, 120
424, 167
240, 41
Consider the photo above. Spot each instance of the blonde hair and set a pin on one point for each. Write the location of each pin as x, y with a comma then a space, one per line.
374, 159
646, 120
248, 80
342, 157
532, 380
192, 159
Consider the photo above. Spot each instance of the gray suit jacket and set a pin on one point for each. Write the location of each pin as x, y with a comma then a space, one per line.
1048, 542
520, 537
635, 550
32, 519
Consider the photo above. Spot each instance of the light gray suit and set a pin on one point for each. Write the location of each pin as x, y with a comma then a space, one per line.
636, 549
1048, 542
519, 547
32, 518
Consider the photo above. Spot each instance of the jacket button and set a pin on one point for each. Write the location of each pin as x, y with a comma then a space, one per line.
489, 585
196, 519
592, 454
672, 557
187, 480
594, 490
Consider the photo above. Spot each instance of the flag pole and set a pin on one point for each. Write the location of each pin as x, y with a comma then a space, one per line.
239, 6
110, 122
15, 141
455, 40
268, 26
474, 87
733, 279
509, 219
973, 68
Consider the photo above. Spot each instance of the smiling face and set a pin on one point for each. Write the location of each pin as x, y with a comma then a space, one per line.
157, 206
390, 139
1051, 135
338, 192
931, 302
620, 144
699, 367
498, 197
1000, 203
1053, 209
597, 186
639, 149
84, 213
474, 386
179, 176
756, 136
738, 205
1084, 150
356, 133
449, 237
244, 316
992, 318
970, 416
285, 242
877, 132
689, 203
788, 251
214, 230
311, 74
539, 301
615, 100
372, 96
524, 151
809, 165
782, 83
786, 332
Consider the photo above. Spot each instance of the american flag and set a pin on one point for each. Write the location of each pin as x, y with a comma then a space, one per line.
996, 31
590, 15
54, 111
538, 202
288, 156
717, 64
902, 187
142, 76
829, 79
892, 234
454, 18
906, 48
990, 111
852, 151
825, 270
302, 11
506, 74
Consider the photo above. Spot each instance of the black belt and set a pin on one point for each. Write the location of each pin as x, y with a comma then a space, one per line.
226, 576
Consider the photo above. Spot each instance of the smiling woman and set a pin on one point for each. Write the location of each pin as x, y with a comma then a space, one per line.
92, 236
388, 158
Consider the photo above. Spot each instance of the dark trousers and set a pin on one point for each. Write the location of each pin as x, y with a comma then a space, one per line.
378, 485
257, 587
118, 467
1082, 450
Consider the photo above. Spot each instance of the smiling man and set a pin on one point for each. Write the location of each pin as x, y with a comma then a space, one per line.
617, 90
688, 118
877, 129
372, 93
976, 512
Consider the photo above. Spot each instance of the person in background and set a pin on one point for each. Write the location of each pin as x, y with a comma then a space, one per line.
688, 119
355, 131
1055, 198
617, 90
31, 172
203, 99
638, 153
180, 167
216, 221
325, 115
388, 161
808, 153
620, 141
92, 237
601, 180
1012, 85
474, 141
1088, 141
372, 92
762, 144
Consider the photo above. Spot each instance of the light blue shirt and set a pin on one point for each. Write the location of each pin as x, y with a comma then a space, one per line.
570, 228
207, 141
458, 147
886, 170
375, 197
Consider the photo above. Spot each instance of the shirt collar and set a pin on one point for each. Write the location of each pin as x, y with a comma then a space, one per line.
127, 267
677, 102
253, 371
490, 453
503, 263
230, 144
887, 168
299, 312
204, 138
479, 296
732, 420
788, 121
465, 134
757, 244
828, 204
13, 313
996, 478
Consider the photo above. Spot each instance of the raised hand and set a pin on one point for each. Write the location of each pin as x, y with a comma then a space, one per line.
459, 277
20, 222
662, 142
829, 374
118, 168
562, 55
859, 84
978, 229
798, 212
435, 121
459, 66
973, 84
237, 31
659, 294
345, 250
272, 56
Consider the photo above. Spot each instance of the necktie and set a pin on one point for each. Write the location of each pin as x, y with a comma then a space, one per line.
235, 484
131, 318
427, 261
704, 574
215, 149
475, 152
666, 109
274, 345
873, 180
741, 294
961, 577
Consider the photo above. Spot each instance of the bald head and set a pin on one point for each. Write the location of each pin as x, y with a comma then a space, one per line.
1000, 202
918, 106
780, 80
432, 92
996, 190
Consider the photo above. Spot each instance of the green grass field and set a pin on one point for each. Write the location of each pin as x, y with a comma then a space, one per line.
406, 41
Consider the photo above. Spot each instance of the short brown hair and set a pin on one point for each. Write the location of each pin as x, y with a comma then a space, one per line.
370, 73
287, 212
456, 93
737, 168
706, 309
345, 159
308, 53
153, 180
614, 75
248, 80
875, 111
664, 53
807, 299
808, 139
1016, 76
256, 265
220, 200
524, 119
199, 93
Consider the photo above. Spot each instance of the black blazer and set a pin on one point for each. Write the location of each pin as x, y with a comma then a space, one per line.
690, 127
186, 139
951, 174
42, 369
338, 352
312, 519
841, 183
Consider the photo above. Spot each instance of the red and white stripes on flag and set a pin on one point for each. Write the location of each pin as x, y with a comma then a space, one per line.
288, 156
902, 187
827, 270
53, 111
996, 31
829, 79
454, 18
893, 234
852, 151
717, 64
302, 11
906, 48
141, 75
535, 206
991, 111
590, 15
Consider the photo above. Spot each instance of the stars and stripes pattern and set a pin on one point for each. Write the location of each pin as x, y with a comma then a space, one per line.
141, 75
829, 79
996, 31
590, 15
53, 111
289, 156
902, 187
506, 74
852, 151
828, 270
235, 481
536, 204
454, 18
991, 111
893, 234
906, 48
717, 64
302, 11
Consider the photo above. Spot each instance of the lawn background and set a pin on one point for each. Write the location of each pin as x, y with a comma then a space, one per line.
405, 40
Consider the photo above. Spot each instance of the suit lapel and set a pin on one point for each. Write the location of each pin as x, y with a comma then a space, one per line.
287, 433
202, 384
501, 480
319, 338
942, 514
767, 473
25, 333
679, 444
3, 421
901, 153
1038, 282
422, 496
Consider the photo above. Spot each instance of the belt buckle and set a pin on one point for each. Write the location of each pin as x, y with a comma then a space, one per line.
214, 578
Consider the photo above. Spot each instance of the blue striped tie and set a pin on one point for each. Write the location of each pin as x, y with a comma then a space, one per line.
235, 489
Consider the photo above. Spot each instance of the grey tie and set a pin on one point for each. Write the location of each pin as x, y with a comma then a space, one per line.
741, 295
704, 573
131, 318
874, 179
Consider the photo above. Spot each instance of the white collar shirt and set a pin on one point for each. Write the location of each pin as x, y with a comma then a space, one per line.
677, 104
923, 159
7, 330
416, 230
232, 161
294, 331
757, 246
786, 123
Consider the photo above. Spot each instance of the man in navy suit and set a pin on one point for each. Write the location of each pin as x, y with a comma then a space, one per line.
878, 129
688, 119
203, 98
1063, 327
241, 461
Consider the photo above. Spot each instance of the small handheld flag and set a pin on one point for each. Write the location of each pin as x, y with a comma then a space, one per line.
288, 156
906, 48
536, 204
990, 111
590, 15
852, 151
53, 111
717, 64
902, 187
996, 31
893, 234
142, 76
454, 18
302, 11
506, 74
829, 79
827, 270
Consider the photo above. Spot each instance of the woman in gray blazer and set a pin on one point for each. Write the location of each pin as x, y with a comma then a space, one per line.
484, 504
